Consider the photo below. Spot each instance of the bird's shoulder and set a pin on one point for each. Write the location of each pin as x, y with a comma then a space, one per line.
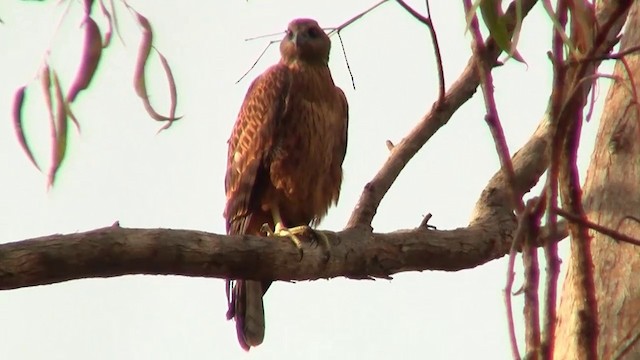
265, 101
272, 82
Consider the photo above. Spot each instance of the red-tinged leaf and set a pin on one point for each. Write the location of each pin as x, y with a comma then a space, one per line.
45, 82
18, 102
173, 94
139, 82
108, 33
72, 116
493, 16
154, 114
91, 53
491, 11
143, 21
144, 50
114, 15
60, 131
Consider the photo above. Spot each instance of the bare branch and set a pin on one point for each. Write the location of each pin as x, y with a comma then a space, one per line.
551, 295
355, 253
434, 39
517, 242
436, 48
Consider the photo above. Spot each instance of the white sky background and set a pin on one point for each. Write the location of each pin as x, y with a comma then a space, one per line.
119, 169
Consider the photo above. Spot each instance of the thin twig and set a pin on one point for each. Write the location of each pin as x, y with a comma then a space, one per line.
518, 238
341, 27
426, 21
346, 61
634, 90
355, 18
434, 39
551, 296
551, 186
279, 33
258, 59
592, 100
615, 56
599, 228
436, 48
425, 222
534, 211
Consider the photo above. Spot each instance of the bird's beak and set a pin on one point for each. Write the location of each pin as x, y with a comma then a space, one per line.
296, 39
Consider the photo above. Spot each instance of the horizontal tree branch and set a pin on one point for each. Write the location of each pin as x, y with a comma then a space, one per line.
359, 254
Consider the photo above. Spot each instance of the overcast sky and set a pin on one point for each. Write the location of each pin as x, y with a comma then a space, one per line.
119, 169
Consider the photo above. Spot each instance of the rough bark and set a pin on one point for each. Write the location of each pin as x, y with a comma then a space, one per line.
115, 251
611, 193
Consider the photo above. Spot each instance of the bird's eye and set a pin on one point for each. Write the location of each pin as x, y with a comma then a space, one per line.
289, 34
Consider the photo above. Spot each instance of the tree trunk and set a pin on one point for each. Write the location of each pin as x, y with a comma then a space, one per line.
612, 199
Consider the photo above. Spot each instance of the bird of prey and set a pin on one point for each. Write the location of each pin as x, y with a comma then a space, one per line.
285, 157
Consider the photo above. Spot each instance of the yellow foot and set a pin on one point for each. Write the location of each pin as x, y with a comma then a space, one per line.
285, 232
292, 234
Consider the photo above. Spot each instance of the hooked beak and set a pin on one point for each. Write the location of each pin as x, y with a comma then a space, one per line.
296, 39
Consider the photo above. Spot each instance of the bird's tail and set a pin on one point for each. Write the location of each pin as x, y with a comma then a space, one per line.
245, 305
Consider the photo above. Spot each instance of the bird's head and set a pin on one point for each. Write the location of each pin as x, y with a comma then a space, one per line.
305, 41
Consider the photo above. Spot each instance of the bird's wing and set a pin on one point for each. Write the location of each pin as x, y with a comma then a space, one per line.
251, 143
343, 130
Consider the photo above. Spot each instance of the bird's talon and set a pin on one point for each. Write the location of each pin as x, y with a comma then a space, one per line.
300, 253
265, 228
319, 238
291, 234
322, 239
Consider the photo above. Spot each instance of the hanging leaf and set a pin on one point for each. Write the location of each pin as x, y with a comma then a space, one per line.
173, 94
18, 102
144, 50
59, 131
91, 53
139, 82
45, 82
491, 11
108, 33
515, 37
114, 15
